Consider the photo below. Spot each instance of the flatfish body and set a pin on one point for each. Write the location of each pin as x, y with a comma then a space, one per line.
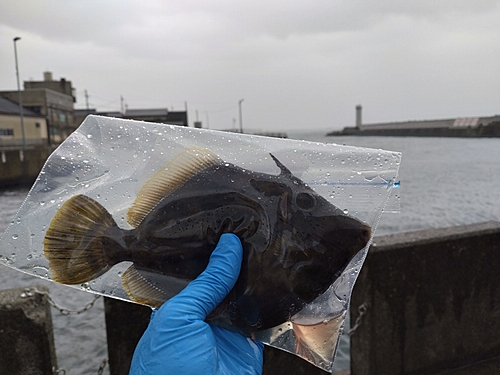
295, 242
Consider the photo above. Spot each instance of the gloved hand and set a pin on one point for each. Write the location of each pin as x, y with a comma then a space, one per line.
178, 340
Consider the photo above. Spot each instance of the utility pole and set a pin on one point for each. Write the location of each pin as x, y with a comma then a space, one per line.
241, 117
19, 93
87, 99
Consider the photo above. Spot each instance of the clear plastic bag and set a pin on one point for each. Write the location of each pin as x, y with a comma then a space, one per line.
303, 211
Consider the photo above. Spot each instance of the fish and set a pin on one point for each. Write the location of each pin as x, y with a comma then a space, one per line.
295, 242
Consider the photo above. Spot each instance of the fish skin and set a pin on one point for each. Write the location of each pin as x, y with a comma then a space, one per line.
295, 242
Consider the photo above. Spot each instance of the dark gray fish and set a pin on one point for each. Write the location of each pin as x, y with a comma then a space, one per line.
295, 242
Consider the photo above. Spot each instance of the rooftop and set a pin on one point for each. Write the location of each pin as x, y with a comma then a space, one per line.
146, 112
162, 115
8, 107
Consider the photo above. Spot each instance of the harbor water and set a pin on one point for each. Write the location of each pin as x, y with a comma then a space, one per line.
444, 182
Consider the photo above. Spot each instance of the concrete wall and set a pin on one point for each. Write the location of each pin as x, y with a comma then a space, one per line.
433, 303
26, 338
125, 324
19, 167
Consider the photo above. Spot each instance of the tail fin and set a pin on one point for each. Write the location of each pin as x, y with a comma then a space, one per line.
73, 243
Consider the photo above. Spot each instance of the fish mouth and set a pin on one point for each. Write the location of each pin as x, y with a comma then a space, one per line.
350, 234
365, 236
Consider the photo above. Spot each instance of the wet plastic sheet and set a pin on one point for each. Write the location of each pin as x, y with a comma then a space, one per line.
110, 160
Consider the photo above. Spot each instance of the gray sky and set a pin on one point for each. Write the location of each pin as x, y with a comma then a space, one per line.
297, 64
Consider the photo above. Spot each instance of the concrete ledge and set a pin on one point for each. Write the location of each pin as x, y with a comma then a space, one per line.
431, 236
26, 336
433, 303
21, 167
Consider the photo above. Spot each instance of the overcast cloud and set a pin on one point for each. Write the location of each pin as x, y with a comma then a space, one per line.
297, 64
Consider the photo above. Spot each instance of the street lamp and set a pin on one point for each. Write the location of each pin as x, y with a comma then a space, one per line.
19, 93
241, 118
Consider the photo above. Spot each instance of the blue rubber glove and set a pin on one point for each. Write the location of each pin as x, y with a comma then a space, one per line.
178, 341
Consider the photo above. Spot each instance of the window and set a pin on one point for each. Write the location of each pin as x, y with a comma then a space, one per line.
6, 132
54, 131
37, 124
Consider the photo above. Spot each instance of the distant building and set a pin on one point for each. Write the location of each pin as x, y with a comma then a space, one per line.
11, 134
158, 115
52, 100
61, 86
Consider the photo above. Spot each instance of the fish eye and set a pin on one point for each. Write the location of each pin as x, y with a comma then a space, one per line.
305, 201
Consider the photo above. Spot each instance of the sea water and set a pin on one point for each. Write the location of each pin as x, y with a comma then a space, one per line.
444, 182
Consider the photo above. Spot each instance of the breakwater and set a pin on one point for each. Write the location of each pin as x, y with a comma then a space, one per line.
21, 167
425, 302
491, 130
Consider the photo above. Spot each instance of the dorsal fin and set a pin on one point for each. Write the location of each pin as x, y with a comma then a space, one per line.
181, 168
284, 170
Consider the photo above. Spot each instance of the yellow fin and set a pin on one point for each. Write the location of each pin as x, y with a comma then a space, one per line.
185, 165
141, 290
73, 243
